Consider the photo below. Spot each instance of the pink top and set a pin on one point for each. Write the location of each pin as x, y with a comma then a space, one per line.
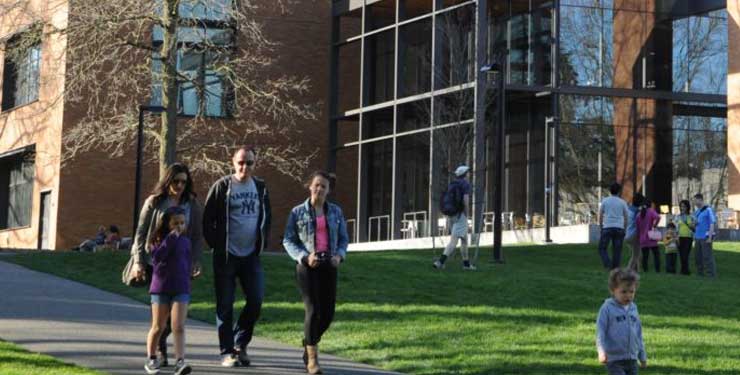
322, 235
645, 224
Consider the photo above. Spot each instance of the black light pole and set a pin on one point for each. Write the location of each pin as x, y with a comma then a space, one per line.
139, 151
498, 68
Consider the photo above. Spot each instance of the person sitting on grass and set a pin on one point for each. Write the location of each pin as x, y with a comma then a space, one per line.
90, 245
618, 328
114, 237
170, 287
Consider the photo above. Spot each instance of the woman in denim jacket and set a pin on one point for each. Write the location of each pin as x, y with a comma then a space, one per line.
316, 238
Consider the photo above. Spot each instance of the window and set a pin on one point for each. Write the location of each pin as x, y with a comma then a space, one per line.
16, 190
21, 70
202, 89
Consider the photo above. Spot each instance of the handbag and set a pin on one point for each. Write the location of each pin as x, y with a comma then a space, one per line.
129, 278
654, 235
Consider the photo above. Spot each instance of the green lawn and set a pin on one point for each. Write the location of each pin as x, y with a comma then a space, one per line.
17, 361
534, 315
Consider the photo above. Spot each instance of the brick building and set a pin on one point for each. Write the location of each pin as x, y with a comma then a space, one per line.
50, 205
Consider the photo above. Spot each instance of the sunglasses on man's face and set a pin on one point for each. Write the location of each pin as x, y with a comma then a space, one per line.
249, 163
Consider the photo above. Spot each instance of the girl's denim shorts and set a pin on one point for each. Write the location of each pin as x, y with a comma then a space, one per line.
168, 299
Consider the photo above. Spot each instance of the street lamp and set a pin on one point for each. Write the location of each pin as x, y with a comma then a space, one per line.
498, 68
139, 149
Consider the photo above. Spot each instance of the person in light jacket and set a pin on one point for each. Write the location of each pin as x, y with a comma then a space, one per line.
316, 238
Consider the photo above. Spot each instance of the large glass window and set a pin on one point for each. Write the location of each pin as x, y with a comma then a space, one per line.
203, 88
700, 53
455, 37
378, 161
700, 159
412, 185
21, 71
413, 115
524, 159
16, 190
524, 28
379, 67
348, 79
586, 45
415, 58
377, 123
587, 157
454, 107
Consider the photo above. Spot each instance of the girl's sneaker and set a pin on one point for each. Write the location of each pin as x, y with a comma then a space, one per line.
182, 368
152, 366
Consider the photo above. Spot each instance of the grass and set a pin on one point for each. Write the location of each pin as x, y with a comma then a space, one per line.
16, 361
534, 315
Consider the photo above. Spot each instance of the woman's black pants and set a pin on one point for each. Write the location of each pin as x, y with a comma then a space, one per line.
318, 288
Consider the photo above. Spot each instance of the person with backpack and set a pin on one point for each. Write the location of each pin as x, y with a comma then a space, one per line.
454, 204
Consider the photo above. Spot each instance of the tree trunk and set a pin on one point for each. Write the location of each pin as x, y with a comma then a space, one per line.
168, 131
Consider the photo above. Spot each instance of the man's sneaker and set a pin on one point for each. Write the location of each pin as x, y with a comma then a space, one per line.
229, 360
243, 357
469, 267
152, 366
438, 265
182, 368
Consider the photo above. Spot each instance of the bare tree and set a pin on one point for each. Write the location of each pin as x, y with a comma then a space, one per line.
209, 57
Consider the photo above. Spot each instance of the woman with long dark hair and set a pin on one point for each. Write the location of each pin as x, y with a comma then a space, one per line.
174, 189
316, 238
647, 220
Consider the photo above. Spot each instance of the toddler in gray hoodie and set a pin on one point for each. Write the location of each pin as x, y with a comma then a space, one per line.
618, 327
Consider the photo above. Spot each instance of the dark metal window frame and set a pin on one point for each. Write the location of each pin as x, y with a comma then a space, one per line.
17, 90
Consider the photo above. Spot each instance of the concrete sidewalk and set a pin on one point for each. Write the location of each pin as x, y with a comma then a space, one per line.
96, 329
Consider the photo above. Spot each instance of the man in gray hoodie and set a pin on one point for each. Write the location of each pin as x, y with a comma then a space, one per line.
618, 328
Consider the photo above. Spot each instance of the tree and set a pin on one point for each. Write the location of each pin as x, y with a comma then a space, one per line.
209, 60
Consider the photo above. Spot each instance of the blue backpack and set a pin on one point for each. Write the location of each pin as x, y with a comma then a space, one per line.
451, 200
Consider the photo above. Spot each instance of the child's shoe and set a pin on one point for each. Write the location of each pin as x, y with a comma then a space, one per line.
469, 267
182, 368
438, 265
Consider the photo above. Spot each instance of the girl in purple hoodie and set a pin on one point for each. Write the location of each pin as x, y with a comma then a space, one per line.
170, 287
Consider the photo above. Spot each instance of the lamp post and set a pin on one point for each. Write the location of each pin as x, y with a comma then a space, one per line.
498, 68
139, 151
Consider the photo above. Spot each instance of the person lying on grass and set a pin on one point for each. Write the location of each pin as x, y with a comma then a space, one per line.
618, 328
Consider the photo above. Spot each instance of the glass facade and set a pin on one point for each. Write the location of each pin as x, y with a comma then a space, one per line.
635, 92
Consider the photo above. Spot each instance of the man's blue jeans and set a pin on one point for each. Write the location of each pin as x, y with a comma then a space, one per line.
616, 237
252, 279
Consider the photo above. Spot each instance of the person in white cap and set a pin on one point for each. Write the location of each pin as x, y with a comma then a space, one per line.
455, 204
